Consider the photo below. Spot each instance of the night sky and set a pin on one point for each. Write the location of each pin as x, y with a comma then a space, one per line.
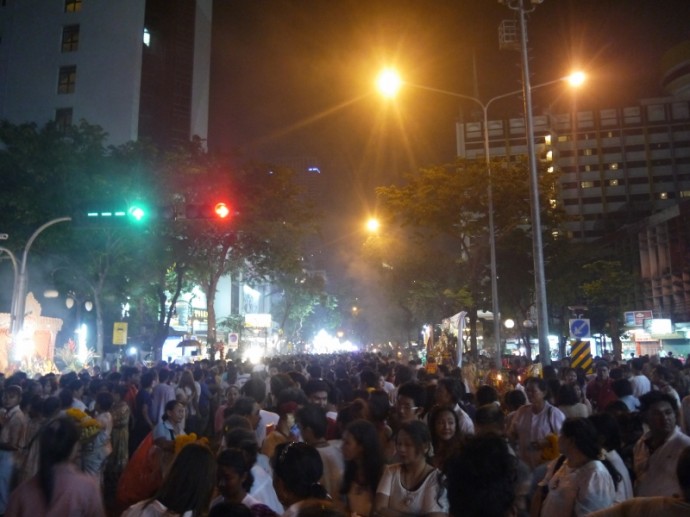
295, 78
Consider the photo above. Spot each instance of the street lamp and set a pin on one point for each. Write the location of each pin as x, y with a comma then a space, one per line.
373, 225
387, 78
21, 280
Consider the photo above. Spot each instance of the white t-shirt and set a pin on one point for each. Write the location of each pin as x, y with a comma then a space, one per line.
577, 491
333, 468
531, 429
154, 509
624, 490
640, 385
430, 497
656, 472
466, 424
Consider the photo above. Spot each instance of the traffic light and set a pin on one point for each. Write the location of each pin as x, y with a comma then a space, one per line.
134, 213
220, 210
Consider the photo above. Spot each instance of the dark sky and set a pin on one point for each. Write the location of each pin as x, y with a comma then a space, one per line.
295, 78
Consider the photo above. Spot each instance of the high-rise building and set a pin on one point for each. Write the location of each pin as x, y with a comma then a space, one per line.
138, 68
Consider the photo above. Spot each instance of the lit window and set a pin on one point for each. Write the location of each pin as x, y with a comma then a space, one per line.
67, 79
72, 6
613, 183
613, 166
63, 117
563, 138
588, 168
550, 169
70, 38
663, 195
587, 152
547, 139
147, 37
553, 203
685, 193
586, 184
549, 156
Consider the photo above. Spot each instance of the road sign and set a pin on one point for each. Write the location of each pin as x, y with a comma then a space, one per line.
233, 341
120, 333
581, 355
579, 328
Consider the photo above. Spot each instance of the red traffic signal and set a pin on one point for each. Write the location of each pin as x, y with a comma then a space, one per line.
222, 210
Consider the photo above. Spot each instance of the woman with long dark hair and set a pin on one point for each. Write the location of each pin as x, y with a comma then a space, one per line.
59, 488
444, 427
582, 480
363, 467
297, 469
186, 490
413, 486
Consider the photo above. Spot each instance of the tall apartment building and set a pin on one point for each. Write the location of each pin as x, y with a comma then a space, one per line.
138, 68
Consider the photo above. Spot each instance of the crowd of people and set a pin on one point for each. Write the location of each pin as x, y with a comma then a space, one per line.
348, 435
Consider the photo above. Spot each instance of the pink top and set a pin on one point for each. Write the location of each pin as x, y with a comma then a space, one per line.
74, 494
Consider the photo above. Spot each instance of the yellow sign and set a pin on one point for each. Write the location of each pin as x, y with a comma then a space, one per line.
119, 333
581, 355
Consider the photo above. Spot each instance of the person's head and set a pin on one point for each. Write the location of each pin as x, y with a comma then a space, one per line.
486, 395
233, 477
297, 469
361, 449
444, 425
484, 479
231, 395
317, 391
608, 429
312, 422
622, 387
579, 433
189, 484
174, 412
661, 376
410, 401
249, 409
449, 391
514, 399
244, 439
602, 371
187, 380
660, 412
320, 509
104, 401
147, 379
567, 396
11, 396
636, 364
254, 388
225, 509
570, 376
489, 418
413, 442
57, 444
536, 390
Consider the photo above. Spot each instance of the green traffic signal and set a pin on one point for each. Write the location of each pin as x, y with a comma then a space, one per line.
137, 213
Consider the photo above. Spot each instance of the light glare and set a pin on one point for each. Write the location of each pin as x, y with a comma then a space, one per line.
388, 82
373, 225
577, 78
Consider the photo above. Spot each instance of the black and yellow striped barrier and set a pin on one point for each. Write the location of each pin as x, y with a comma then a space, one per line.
581, 355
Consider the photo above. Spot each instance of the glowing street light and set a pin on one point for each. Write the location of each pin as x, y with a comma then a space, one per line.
373, 225
388, 82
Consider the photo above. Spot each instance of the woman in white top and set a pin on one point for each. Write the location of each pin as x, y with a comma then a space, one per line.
578, 482
186, 490
610, 441
413, 486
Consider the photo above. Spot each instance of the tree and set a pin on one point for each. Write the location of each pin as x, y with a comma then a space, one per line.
446, 206
607, 288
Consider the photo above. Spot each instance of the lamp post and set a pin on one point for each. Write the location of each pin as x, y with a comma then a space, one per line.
21, 280
389, 84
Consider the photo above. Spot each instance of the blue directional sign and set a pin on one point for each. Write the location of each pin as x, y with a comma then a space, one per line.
579, 328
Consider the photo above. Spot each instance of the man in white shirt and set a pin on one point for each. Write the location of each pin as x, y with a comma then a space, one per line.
656, 453
640, 382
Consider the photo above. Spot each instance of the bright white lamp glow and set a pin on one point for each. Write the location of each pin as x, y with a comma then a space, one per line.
577, 78
373, 225
388, 82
